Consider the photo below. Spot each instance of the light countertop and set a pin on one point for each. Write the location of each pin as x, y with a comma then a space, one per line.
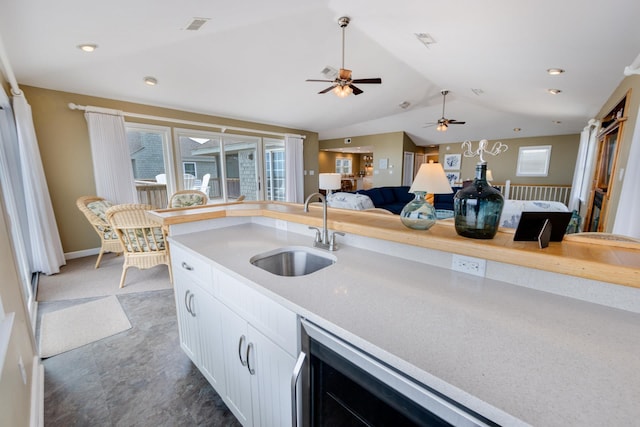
579, 256
512, 354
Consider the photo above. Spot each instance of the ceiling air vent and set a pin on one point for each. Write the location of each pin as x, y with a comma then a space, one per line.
196, 23
329, 72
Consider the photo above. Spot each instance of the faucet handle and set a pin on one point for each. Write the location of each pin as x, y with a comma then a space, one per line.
332, 240
318, 236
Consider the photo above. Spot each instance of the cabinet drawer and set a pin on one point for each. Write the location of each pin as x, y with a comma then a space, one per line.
192, 266
275, 321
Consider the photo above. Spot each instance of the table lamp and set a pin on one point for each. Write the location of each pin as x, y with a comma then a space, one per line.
418, 213
330, 181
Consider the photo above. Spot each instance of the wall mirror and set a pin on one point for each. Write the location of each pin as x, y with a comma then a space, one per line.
534, 161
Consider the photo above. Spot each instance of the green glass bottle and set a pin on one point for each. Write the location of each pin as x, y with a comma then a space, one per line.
477, 207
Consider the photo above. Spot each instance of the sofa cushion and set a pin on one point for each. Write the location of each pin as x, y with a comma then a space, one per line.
388, 195
375, 195
402, 194
349, 201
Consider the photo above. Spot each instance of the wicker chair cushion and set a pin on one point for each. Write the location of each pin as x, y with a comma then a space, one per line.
99, 208
185, 200
136, 241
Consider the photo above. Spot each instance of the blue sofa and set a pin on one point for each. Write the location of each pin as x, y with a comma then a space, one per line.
395, 198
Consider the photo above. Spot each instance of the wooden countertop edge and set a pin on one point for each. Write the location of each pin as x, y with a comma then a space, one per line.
571, 257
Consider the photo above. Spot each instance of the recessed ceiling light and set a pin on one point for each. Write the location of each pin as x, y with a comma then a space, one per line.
557, 122
87, 47
554, 91
151, 81
404, 105
517, 129
555, 71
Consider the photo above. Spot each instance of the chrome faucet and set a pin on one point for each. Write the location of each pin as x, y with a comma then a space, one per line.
322, 239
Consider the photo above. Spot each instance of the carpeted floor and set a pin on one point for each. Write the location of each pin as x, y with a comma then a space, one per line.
79, 279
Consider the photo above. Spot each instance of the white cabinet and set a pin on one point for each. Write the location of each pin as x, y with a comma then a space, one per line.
258, 374
241, 340
199, 321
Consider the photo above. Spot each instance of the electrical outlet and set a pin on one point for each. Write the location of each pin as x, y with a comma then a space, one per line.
475, 266
281, 225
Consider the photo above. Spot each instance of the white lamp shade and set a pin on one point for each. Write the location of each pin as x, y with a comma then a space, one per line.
330, 181
431, 179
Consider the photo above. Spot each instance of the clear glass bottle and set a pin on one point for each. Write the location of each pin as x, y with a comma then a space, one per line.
477, 207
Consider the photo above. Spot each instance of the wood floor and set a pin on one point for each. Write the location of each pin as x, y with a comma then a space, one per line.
140, 377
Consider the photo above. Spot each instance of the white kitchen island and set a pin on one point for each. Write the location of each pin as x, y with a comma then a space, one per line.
513, 354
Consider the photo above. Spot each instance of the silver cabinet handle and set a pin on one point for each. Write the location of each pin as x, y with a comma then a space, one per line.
186, 266
186, 302
251, 370
191, 310
244, 362
294, 387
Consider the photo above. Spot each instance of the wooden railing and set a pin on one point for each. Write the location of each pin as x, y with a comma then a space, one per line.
551, 193
152, 193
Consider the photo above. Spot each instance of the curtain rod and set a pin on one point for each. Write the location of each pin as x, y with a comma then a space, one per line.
222, 128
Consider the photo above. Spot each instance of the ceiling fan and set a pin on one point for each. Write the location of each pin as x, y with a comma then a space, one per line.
442, 123
343, 84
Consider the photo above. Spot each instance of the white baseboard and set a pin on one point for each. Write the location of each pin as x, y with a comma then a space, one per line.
81, 254
37, 394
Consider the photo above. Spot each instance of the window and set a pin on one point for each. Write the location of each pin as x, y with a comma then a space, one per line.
274, 169
343, 165
151, 160
189, 168
534, 161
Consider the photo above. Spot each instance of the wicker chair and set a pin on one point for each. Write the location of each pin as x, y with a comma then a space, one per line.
94, 209
186, 198
144, 241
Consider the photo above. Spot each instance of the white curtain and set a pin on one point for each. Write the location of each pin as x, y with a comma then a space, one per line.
626, 221
294, 165
46, 249
110, 154
13, 193
583, 169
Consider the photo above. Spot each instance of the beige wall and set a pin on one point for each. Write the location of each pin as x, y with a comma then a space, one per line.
389, 146
15, 396
564, 150
66, 154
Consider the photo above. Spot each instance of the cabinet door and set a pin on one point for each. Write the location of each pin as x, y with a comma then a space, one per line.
187, 324
235, 343
272, 368
210, 353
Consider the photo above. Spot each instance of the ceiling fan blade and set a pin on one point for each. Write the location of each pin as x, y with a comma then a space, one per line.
356, 91
455, 122
428, 125
325, 81
376, 80
327, 89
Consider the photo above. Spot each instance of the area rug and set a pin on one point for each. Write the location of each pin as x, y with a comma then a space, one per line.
82, 324
79, 279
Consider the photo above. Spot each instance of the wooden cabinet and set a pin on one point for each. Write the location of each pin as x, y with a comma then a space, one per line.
243, 342
605, 168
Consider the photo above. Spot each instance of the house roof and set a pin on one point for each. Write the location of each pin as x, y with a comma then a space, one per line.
251, 58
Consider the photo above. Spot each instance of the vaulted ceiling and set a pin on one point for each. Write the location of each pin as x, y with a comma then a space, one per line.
251, 58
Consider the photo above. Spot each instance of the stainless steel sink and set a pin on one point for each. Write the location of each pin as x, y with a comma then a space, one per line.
293, 261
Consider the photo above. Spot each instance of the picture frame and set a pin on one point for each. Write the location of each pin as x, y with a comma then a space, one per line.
452, 161
453, 177
383, 163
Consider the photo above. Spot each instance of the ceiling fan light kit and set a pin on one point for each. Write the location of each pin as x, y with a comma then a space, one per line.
443, 124
343, 83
